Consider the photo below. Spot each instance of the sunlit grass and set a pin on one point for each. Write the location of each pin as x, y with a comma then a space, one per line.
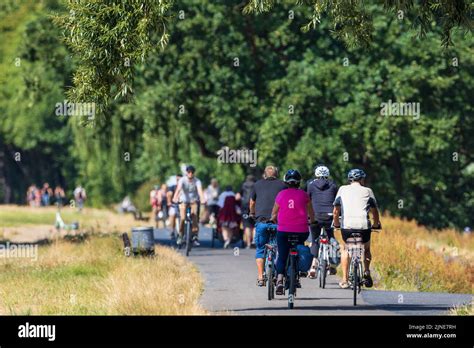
96, 278
90, 219
463, 310
409, 257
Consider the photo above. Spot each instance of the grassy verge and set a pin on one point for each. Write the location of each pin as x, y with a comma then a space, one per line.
408, 257
25, 224
463, 310
94, 278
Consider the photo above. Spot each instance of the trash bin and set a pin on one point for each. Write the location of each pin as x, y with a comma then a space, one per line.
143, 241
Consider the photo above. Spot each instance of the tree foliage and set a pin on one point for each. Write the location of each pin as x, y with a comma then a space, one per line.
259, 82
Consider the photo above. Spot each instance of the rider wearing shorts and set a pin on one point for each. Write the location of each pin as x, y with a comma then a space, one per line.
189, 191
291, 209
261, 204
322, 193
353, 203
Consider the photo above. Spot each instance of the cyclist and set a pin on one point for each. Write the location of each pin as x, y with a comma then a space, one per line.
172, 208
354, 201
189, 191
322, 193
261, 204
291, 209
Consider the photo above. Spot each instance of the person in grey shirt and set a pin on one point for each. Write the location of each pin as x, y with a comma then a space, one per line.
189, 191
353, 203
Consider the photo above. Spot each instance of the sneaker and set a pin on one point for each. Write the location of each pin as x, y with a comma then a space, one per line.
226, 244
368, 280
312, 273
344, 285
196, 243
280, 288
179, 241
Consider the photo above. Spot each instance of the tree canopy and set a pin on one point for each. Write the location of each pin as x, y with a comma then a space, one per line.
256, 82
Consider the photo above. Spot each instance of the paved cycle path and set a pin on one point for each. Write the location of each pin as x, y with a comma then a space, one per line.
230, 288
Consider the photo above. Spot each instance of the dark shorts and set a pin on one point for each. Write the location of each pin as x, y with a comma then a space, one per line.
347, 234
213, 209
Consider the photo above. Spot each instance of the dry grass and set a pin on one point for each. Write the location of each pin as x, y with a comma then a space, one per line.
463, 310
26, 224
94, 278
412, 258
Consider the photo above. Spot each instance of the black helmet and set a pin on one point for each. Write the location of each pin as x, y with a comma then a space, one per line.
190, 169
292, 178
355, 175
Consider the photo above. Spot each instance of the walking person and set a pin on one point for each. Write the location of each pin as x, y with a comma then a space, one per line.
46, 194
79, 197
248, 224
212, 207
229, 215
59, 195
173, 209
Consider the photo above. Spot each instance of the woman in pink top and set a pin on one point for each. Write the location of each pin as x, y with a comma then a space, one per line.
291, 210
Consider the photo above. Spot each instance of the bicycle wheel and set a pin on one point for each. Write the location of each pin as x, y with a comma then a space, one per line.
188, 238
274, 283
292, 287
323, 273
356, 281
213, 235
269, 278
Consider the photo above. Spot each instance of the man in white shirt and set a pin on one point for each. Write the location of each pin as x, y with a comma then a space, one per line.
353, 203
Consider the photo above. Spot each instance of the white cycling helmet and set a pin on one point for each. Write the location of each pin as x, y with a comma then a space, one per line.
321, 172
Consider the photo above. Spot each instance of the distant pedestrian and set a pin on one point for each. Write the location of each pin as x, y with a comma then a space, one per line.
80, 197
37, 193
46, 194
59, 195
229, 215
212, 194
246, 193
31, 195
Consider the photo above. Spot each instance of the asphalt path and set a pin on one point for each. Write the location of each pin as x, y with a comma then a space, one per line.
230, 288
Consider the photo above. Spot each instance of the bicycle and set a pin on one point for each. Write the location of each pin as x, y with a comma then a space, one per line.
177, 221
291, 277
270, 267
213, 225
188, 225
323, 257
355, 248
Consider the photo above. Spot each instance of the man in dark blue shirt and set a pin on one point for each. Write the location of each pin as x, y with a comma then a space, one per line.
322, 192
